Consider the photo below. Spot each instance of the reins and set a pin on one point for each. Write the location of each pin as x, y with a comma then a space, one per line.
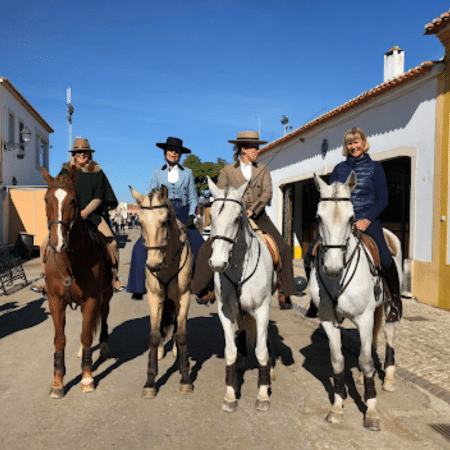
237, 286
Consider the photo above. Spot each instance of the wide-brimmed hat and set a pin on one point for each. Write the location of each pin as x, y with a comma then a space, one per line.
81, 145
248, 137
175, 143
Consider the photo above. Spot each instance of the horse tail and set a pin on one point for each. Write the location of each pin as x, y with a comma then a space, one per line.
377, 324
168, 319
250, 328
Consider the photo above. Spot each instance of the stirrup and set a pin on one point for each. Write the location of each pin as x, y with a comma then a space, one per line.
118, 285
394, 314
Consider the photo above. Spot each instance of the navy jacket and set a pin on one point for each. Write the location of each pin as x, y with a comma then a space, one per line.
370, 196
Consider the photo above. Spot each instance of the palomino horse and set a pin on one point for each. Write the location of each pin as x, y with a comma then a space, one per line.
168, 281
243, 280
77, 271
345, 284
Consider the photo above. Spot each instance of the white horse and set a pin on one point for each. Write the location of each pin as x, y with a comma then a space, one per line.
344, 284
243, 281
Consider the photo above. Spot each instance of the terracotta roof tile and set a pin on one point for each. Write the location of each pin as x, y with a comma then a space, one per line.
413, 73
438, 24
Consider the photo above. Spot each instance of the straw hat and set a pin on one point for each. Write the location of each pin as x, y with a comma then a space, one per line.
81, 145
248, 137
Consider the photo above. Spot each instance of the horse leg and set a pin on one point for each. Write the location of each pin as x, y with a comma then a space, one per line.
58, 314
262, 355
149, 390
181, 339
104, 312
365, 325
389, 361
90, 321
335, 415
230, 403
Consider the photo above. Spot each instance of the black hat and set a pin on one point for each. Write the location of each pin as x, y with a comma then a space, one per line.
175, 143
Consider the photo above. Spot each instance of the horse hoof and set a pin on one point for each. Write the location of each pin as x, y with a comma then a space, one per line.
389, 386
148, 392
57, 392
186, 389
262, 405
87, 387
230, 406
372, 423
334, 417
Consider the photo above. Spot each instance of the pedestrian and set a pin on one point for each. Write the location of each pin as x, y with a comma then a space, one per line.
96, 198
182, 193
257, 195
369, 199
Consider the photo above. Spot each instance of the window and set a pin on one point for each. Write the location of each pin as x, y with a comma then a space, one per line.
21, 126
43, 154
11, 128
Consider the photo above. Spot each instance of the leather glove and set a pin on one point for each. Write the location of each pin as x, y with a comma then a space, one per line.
190, 222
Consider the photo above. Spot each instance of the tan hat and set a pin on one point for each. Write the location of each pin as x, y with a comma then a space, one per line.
244, 137
81, 145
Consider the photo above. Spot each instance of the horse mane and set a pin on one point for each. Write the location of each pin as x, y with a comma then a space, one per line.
163, 200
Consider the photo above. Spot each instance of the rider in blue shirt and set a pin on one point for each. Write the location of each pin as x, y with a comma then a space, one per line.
180, 184
369, 198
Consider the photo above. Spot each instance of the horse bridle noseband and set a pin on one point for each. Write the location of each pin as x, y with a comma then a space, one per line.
159, 247
330, 246
226, 238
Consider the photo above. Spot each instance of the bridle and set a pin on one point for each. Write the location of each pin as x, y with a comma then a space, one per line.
237, 286
162, 248
68, 226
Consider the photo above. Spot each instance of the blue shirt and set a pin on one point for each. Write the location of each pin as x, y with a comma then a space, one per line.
183, 189
370, 196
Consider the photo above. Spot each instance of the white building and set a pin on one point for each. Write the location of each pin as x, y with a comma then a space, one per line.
406, 119
20, 163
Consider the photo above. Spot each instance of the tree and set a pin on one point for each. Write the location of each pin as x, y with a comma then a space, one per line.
202, 170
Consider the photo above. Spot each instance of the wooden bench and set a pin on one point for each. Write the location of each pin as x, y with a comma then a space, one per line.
10, 267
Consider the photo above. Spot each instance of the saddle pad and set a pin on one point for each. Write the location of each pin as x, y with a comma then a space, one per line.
390, 243
270, 242
373, 249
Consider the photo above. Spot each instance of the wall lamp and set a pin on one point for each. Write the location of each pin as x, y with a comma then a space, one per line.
25, 135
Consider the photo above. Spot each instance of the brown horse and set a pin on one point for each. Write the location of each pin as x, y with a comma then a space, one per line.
168, 281
77, 271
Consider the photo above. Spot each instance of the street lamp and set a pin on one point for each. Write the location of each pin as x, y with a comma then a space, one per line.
25, 137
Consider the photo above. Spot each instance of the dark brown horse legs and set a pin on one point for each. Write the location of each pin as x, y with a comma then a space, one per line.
149, 390
183, 362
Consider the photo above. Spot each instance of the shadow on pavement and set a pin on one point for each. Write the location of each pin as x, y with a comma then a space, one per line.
30, 315
122, 240
318, 363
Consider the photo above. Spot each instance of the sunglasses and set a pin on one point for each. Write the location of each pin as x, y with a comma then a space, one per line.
256, 147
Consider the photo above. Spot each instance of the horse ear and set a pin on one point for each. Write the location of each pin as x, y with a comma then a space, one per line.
351, 181
320, 184
46, 175
215, 191
164, 191
138, 197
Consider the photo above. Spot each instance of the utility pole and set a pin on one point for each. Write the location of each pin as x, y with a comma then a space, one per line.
259, 125
70, 110
284, 122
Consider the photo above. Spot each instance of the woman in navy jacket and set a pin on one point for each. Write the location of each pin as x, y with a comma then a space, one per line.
369, 198
180, 183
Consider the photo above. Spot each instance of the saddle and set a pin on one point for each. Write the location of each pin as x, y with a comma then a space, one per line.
271, 244
99, 238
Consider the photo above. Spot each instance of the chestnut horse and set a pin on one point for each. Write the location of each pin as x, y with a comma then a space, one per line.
77, 271
169, 267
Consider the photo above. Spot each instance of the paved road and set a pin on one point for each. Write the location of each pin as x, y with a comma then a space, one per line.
115, 416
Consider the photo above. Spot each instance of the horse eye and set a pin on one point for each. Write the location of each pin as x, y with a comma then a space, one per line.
166, 223
319, 219
352, 219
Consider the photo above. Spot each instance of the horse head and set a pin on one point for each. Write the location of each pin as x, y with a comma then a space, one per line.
227, 217
335, 218
62, 208
158, 220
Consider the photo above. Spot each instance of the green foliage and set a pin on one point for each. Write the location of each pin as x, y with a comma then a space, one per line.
202, 170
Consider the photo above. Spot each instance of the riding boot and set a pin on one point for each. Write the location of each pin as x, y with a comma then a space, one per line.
312, 310
114, 255
284, 301
206, 299
39, 286
392, 281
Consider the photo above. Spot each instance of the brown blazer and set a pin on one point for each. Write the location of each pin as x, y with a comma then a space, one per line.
259, 190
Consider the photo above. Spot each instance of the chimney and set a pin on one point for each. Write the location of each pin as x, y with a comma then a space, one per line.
394, 63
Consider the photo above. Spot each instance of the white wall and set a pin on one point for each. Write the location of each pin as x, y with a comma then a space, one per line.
403, 119
26, 170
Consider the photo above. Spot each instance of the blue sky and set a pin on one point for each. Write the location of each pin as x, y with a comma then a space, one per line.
141, 71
